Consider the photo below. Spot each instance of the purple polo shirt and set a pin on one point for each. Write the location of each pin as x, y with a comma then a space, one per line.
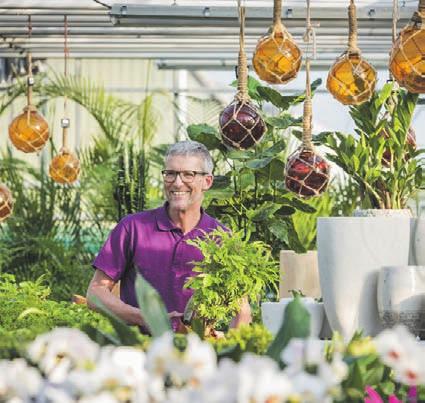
152, 242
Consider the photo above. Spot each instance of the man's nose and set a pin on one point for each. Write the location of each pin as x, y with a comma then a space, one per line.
178, 180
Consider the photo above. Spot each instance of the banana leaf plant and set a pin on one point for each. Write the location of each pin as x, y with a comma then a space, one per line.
249, 190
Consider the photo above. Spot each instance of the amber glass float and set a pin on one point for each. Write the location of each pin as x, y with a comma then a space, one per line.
65, 168
351, 79
277, 58
407, 60
307, 174
6, 202
241, 125
29, 132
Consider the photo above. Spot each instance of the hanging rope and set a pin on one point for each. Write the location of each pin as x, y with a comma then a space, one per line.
277, 15
242, 94
30, 78
307, 115
352, 30
421, 7
65, 120
310, 33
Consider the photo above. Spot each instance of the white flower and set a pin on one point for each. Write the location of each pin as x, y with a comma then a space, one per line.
309, 388
61, 350
333, 373
103, 397
56, 395
195, 363
261, 381
18, 380
302, 352
119, 370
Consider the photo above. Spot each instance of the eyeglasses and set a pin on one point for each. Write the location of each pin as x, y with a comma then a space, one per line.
186, 176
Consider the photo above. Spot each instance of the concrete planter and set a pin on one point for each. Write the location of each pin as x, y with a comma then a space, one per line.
273, 314
401, 297
417, 243
351, 251
299, 272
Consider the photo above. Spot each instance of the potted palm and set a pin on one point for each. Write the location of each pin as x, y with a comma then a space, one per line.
384, 163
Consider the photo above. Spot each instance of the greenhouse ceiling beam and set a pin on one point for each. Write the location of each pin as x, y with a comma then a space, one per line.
225, 16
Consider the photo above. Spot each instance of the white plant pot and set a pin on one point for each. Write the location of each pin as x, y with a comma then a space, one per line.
273, 314
417, 243
401, 297
299, 272
351, 251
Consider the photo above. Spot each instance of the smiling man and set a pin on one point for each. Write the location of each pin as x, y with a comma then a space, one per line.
154, 241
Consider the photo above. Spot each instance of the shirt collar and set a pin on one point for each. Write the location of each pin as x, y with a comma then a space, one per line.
164, 222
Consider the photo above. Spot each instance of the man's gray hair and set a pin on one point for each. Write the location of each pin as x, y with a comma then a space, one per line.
191, 148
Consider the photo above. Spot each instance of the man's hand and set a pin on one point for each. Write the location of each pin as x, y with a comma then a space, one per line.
174, 314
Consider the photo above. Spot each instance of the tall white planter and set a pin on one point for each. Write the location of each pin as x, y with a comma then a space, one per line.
351, 251
299, 272
417, 243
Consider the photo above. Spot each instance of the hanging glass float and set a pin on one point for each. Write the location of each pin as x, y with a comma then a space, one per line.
351, 79
29, 131
6, 202
306, 172
277, 58
407, 59
65, 167
240, 122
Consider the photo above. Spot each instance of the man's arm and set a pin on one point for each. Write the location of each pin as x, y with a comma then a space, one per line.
101, 287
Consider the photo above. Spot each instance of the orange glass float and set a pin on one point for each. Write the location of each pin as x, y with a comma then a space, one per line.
65, 167
29, 131
277, 58
6, 202
351, 79
407, 59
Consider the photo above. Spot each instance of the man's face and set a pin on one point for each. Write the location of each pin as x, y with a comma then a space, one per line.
182, 195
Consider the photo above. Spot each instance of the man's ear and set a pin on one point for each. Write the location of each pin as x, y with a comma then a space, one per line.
208, 181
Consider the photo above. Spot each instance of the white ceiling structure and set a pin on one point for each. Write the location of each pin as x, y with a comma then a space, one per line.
184, 33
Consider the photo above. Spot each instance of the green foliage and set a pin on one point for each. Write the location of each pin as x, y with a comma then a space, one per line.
249, 192
26, 311
253, 338
295, 324
234, 267
152, 308
382, 185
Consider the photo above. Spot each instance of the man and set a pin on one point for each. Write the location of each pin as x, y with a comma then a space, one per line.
154, 241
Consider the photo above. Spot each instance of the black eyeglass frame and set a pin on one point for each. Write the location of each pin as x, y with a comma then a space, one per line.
175, 173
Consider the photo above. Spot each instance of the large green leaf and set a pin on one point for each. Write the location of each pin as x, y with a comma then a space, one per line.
151, 307
220, 182
259, 163
205, 134
125, 333
296, 324
283, 122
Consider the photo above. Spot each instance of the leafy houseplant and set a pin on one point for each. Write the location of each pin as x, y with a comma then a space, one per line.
380, 160
234, 267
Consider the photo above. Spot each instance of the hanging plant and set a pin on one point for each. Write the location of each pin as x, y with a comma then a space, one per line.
307, 173
277, 58
240, 122
65, 167
29, 131
351, 79
6, 202
408, 53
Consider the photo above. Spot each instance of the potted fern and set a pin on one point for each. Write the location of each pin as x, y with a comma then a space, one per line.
233, 268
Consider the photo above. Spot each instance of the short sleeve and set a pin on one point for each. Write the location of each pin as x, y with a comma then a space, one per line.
114, 255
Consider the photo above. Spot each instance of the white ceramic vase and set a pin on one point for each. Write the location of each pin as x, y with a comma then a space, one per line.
299, 271
417, 243
401, 297
273, 314
351, 251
